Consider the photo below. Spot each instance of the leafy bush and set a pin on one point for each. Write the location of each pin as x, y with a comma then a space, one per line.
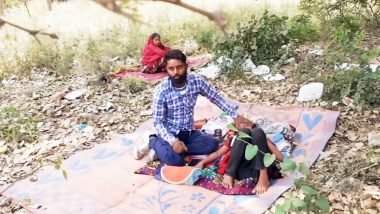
345, 46
360, 84
350, 12
15, 127
303, 29
205, 38
46, 54
260, 39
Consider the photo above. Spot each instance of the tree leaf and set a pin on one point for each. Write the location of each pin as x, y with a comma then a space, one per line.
309, 190
304, 169
64, 174
57, 165
298, 202
232, 127
244, 135
280, 209
251, 151
288, 164
269, 159
287, 205
323, 203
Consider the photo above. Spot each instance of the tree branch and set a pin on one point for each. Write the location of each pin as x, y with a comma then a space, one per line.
31, 32
217, 16
1, 8
112, 6
49, 3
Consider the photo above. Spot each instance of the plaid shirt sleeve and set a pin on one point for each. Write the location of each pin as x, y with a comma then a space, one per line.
217, 99
159, 112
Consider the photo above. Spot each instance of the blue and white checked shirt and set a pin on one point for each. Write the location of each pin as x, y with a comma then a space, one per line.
173, 112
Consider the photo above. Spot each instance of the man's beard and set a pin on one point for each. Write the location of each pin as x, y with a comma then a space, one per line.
178, 81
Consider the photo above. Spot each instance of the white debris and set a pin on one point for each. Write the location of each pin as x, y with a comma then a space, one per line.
246, 93
273, 77
261, 70
374, 138
10, 81
75, 94
312, 91
38, 84
316, 52
106, 106
224, 61
248, 65
210, 72
291, 61
346, 66
374, 67
146, 112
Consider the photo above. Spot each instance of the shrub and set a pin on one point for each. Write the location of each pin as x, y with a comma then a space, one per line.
260, 39
302, 29
133, 84
345, 46
360, 84
15, 127
350, 12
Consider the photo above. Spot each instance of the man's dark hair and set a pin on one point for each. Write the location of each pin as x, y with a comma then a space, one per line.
154, 35
175, 54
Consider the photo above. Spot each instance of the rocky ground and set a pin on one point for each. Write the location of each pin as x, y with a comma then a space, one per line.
347, 172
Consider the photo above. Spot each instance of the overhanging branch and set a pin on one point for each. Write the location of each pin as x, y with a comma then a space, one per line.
31, 32
216, 16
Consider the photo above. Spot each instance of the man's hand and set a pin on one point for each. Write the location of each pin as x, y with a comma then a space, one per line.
242, 122
179, 146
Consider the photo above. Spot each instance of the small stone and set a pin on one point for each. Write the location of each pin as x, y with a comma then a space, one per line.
75, 94
146, 112
3, 149
246, 93
374, 138
323, 103
291, 61
33, 178
59, 95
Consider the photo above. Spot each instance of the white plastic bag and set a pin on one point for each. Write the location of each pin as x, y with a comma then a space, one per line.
219, 122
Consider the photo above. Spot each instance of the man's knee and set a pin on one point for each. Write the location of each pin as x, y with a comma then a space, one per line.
203, 144
259, 138
212, 145
258, 132
170, 157
174, 160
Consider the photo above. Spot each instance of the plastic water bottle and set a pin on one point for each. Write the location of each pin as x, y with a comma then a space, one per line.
218, 135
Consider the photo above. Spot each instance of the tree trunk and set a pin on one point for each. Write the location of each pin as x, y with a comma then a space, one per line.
49, 2
1, 7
